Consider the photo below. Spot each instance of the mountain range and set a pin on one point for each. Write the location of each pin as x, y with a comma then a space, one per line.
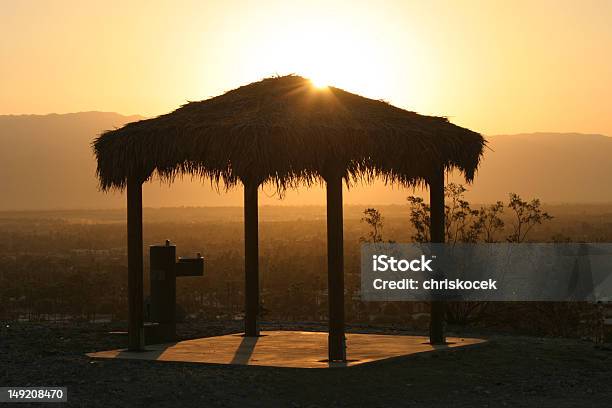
46, 162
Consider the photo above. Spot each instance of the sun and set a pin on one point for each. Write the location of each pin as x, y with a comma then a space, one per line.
329, 52
319, 81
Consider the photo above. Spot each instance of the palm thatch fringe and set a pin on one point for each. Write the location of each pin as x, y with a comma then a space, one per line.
286, 132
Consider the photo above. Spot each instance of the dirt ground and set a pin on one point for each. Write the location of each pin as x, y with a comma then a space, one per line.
509, 371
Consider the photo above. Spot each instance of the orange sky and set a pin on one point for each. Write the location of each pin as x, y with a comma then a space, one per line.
493, 66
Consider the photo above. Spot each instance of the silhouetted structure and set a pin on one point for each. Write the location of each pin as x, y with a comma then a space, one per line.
284, 131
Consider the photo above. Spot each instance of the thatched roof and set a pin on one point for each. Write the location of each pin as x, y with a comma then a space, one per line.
285, 131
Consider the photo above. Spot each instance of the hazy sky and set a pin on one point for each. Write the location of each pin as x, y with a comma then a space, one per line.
494, 66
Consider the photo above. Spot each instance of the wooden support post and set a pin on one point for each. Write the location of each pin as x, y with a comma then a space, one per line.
437, 228
251, 260
135, 266
335, 269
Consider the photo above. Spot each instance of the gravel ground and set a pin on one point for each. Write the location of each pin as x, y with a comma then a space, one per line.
509, 371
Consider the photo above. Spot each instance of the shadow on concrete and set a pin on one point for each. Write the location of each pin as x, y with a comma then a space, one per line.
152, 352
439, 346
245, 350
338, 363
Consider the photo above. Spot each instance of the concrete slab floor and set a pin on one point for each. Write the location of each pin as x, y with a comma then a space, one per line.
298, 349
